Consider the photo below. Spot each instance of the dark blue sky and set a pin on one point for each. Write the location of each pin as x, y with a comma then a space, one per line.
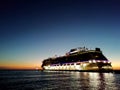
31, 30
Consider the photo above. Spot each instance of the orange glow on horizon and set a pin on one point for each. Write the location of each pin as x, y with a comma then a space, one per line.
20, 66
36, 65
115, 65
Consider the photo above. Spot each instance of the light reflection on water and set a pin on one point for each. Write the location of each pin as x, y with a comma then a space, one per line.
58, 80
102, 81
94, 81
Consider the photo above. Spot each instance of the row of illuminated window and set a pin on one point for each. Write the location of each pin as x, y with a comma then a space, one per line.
66, 64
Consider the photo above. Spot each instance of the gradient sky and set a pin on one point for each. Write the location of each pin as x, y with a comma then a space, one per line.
33, 30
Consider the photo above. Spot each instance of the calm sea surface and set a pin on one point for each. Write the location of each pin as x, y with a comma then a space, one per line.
58, 80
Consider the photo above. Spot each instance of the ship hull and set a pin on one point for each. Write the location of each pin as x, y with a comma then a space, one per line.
80, 66
79, 60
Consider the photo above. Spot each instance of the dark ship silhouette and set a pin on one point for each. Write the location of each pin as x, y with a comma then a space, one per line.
80, 59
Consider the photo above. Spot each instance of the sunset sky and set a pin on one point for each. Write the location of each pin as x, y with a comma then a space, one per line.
33, 30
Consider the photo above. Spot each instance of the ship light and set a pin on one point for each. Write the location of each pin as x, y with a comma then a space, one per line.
104, 61
75, 64
84, 64
98, 61
90, 61
94, 61
96, 56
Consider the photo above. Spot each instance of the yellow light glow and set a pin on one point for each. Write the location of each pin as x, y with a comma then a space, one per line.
90, 61
94, 61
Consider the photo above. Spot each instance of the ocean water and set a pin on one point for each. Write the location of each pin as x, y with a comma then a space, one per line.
58, 80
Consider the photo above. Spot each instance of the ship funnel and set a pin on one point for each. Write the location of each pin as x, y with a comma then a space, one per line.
97, 49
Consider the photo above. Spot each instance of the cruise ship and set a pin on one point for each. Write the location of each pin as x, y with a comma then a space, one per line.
79, 59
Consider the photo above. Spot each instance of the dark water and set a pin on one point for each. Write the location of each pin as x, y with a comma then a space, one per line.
58, 80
